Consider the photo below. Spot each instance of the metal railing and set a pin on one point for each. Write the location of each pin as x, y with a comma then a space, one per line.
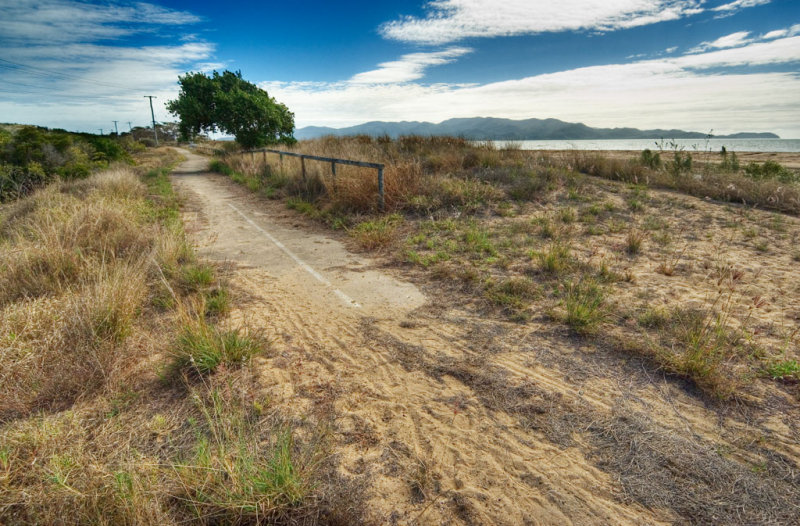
379, 167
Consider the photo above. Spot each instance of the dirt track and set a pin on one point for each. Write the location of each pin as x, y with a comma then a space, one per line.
445, 417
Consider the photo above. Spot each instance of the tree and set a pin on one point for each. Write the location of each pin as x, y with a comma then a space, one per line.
228, 103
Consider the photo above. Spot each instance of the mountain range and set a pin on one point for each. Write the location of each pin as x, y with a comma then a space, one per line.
488, 128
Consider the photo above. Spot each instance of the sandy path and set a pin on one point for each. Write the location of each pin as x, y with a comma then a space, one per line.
443, 417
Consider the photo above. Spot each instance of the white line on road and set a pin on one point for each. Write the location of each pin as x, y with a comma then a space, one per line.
305, 266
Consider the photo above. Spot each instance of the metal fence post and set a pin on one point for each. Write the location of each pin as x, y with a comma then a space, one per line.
303, 167
281, 164
381, 201
333, 168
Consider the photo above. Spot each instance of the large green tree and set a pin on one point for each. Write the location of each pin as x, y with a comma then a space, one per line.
226, 102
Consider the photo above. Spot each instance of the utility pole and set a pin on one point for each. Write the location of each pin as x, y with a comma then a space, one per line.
116, 130
153, 115
101, 130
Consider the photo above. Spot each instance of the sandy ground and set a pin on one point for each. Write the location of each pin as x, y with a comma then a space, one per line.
440, 416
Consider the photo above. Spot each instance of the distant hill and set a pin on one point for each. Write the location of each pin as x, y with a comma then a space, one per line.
487, 128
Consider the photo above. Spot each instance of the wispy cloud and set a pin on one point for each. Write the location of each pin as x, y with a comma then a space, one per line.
78, 55
453, 20
667, 92
409, 67
739, 4
733, 40
53, 21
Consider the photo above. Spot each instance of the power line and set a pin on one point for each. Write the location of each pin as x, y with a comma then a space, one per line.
42, 71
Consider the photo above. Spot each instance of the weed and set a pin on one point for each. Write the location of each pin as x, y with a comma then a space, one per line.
650, 159
654, 318
514, 295
197, 277
567, 215
377, 233
633, 242
556, 259
202, 348
585, 306
221, 167
546, 228
784, 370
635, 205
662, 238
236, 474
670, 261
477, 240
302, 206
616, 226
217, 302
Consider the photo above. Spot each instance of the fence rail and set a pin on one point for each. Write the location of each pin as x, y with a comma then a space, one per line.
334, 161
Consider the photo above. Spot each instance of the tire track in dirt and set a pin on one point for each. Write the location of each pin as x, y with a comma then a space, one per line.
450, 419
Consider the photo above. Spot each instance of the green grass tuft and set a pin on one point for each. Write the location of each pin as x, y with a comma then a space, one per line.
202, 348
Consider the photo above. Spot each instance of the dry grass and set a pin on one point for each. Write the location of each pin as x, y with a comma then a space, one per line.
473, 215
99, 291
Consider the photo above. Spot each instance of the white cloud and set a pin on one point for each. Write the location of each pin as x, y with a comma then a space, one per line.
733, 40
778, 33
740, 4
57, 69
664, 93
409, 67
453, 20
53, 21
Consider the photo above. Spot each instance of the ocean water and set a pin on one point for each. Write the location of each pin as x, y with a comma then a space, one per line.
702, 145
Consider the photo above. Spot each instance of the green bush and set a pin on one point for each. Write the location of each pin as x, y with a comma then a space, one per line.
31, 157
650, 159
770, 170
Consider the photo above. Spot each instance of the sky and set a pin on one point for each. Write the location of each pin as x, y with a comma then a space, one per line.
719, 66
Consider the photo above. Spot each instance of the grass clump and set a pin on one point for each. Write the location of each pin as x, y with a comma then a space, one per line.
556, 259
202, 348
217, 302
633, 242
585, 306
514, 295
242, 469
783, 370
377, 233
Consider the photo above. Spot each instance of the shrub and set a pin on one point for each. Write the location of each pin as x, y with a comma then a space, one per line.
650, 159
770, 170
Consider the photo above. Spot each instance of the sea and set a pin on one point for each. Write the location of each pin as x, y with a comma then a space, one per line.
699, 145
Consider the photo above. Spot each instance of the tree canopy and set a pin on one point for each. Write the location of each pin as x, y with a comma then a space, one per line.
228, 103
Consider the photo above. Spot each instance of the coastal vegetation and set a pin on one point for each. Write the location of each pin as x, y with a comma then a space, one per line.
126, 397
593, 243
31, 157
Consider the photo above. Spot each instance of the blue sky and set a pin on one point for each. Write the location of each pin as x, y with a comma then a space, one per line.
722, 65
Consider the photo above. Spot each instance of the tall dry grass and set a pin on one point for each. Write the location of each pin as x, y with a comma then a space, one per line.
425, 174
76, 259
99, 295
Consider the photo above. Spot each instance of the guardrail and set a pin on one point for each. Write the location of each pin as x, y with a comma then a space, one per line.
379, 167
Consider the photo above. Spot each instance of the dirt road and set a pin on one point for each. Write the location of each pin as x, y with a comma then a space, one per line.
438, 415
